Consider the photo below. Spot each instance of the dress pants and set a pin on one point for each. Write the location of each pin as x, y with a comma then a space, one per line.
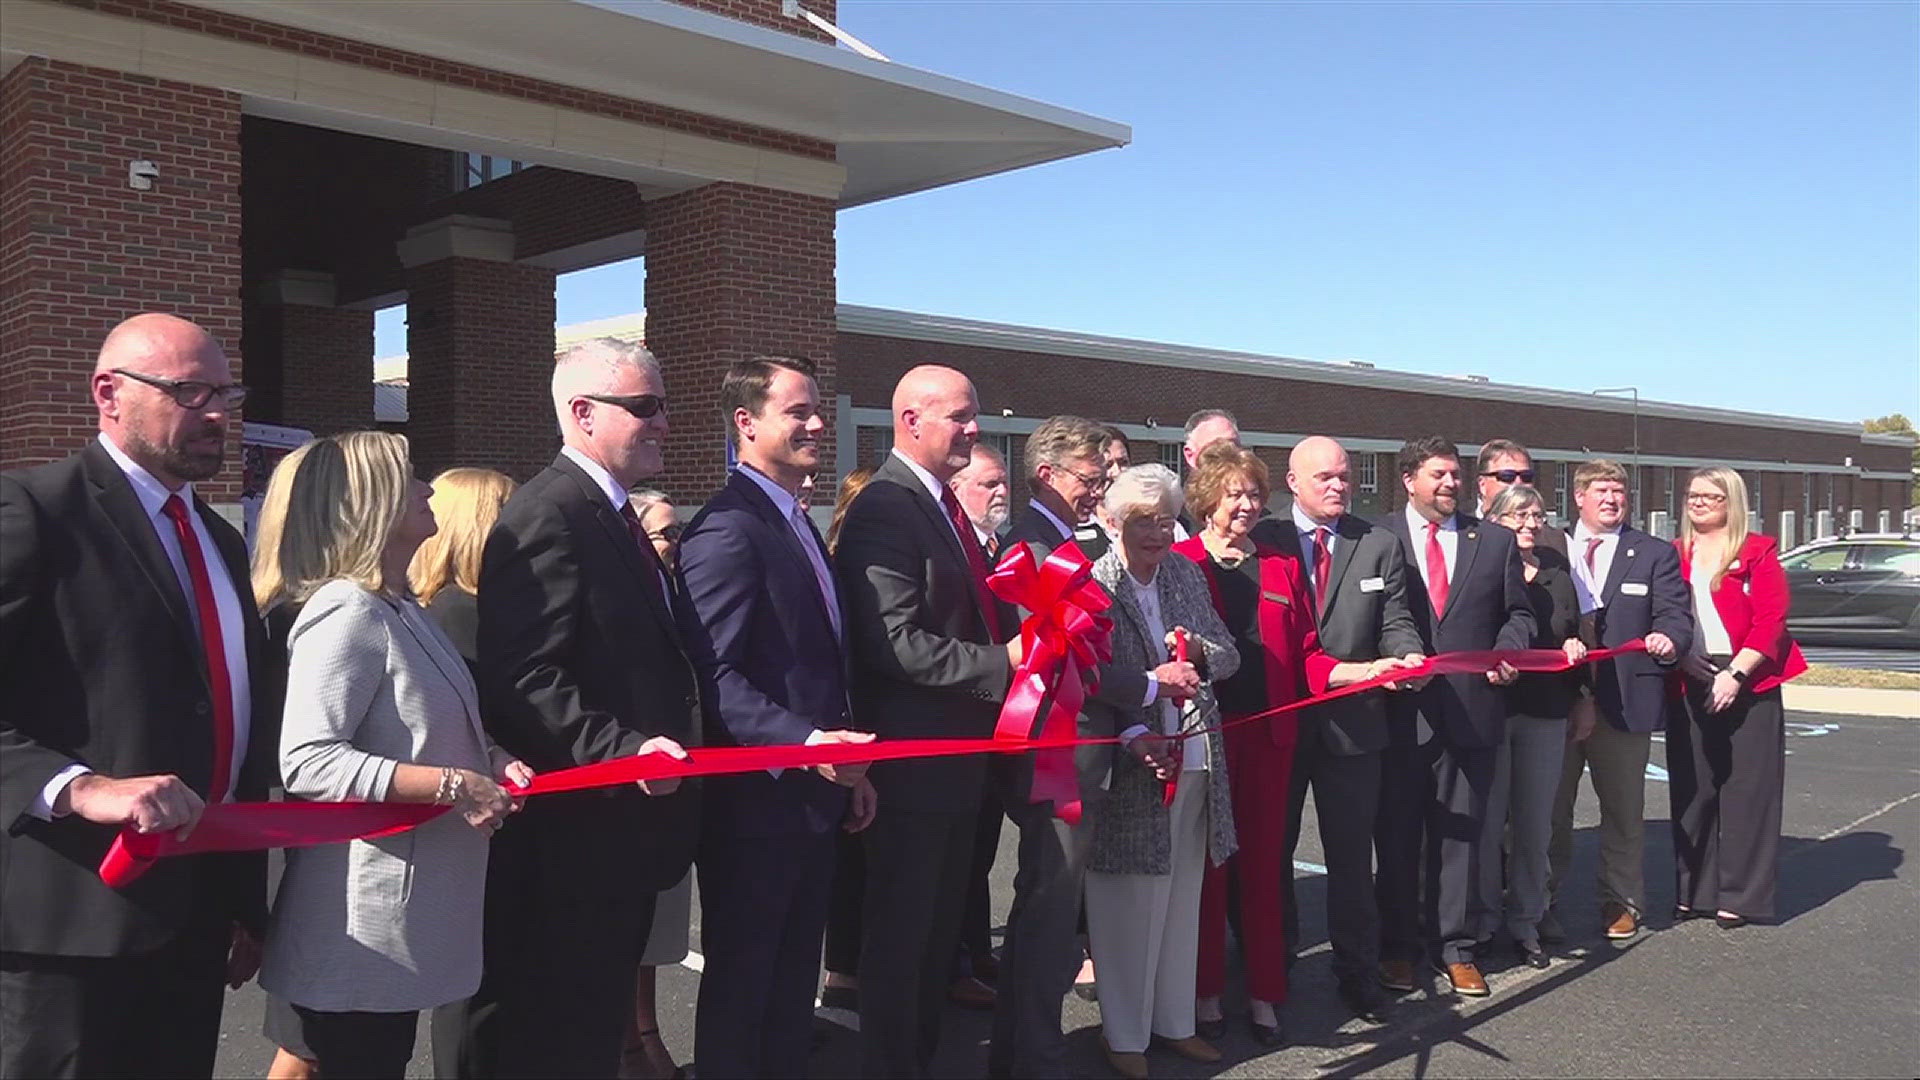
1143, 931
1434, 795
763, 909
1042, 953
917, 865
1727, 776
1346, 800
849, 894
1257, 773
1618, 761
1526, 780
150, 1014
976, 921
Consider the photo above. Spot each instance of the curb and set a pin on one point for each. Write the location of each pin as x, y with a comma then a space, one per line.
1900, 704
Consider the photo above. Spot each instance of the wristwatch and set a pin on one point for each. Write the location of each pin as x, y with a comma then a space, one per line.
1738, 675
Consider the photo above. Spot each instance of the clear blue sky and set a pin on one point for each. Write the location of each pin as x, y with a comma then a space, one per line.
1719, 203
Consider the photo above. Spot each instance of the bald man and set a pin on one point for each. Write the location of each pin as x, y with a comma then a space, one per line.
129, 644
924, 634
1357, 575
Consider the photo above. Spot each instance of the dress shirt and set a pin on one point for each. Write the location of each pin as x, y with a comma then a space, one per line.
617, 496
1449, 542
1193, 751
1710, 637
981, 535
1590, 584
1061, 527
935, 489
233, 635
789, 508
1306, 526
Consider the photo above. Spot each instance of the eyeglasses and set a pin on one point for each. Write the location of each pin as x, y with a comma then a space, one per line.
1096, 482
1146, 521
670, 534
1706, 498
1531, 517
1508, 476
188, 394
642, 406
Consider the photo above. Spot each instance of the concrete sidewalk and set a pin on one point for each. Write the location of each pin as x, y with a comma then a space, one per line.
1902, 704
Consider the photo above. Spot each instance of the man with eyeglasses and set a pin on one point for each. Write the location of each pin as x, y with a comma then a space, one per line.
128, 643
1502, 464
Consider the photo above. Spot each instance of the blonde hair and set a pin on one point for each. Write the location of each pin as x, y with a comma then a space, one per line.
345, 500
466, 503
851, 485
1218, 465
270, 524
1735, 489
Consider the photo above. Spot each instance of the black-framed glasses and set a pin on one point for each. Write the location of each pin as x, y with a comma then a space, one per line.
1097, 482
642, 406
670, 534
1706, 498
1509, 476
189, 394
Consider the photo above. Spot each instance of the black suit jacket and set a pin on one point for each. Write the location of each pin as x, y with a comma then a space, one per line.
771, 670
1487, 608
1364, 616
1643, 593
581, 662
102, 665
925, 665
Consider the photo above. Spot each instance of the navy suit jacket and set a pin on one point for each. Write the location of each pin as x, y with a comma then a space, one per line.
1487, 608
1644, 592
771, 670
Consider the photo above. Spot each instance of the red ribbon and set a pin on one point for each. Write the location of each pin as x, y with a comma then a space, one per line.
229, 827
1062, 643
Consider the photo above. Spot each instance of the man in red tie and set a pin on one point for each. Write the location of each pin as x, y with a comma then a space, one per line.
924, 634
1467, 592
128, 645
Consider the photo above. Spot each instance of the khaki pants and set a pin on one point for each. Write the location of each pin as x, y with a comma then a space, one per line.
1618, 761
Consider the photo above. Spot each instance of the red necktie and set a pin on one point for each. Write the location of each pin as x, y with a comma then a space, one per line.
1593, 545
1436, 570
645, 543
976, 561
212, 645
1322, 564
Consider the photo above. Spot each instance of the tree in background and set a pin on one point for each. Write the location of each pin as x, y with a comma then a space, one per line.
1898, 424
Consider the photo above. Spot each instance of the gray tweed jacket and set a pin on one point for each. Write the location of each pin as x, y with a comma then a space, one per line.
1130, 830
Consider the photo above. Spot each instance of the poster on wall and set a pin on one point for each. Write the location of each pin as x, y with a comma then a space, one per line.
261, 448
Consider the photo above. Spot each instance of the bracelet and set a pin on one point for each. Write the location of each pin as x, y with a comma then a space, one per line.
452, 786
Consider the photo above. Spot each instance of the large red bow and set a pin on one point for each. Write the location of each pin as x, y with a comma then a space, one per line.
1062, 642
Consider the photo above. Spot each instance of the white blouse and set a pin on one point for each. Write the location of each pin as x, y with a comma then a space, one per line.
1193, 752
1710, 636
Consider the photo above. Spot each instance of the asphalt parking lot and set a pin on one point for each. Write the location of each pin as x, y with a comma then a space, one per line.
1832, 990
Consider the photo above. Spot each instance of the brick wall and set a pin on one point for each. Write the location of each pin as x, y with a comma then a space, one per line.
767, 13
733, 272
80, 250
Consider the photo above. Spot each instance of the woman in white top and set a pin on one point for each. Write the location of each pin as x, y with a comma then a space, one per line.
1148, 858
380, 708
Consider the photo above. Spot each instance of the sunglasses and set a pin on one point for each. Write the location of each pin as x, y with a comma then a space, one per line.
642, 406
1509, 476
669, 534
188, 394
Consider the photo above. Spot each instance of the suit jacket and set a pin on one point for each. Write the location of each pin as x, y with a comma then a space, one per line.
1752, 601
581, 661
1120, 685
1487, 608
1644, 592
925, 664
102, 665
771, 670
1364, 616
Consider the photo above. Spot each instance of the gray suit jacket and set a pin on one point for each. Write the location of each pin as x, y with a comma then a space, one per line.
1130, 826
393, 924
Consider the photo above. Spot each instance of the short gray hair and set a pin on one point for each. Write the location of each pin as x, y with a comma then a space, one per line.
588, 366
1515, 498
1061, 437
645, 499
1139, 488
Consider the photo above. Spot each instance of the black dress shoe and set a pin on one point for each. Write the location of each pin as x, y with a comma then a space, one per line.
1364, 1001
1210, 1029
840, 997
1682, 914
1533, 955
1087, 991
1729, 921
1268, 1035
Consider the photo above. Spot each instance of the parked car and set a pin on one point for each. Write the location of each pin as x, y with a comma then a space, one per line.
1862, 589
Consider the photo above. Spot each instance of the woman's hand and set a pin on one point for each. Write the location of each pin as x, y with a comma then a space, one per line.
483, 803
1159, 753
861, 807
1575, 649
516, 776
1724, 689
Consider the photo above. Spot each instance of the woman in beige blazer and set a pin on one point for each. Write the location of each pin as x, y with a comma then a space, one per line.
380, 708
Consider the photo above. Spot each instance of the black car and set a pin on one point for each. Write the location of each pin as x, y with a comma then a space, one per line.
1856, 590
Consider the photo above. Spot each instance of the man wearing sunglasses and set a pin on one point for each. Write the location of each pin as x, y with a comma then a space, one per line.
1502, 464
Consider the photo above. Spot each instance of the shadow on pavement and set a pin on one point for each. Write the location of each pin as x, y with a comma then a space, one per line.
1814, 872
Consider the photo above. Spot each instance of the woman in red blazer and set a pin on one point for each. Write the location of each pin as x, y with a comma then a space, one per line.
1260, 593
1726, 757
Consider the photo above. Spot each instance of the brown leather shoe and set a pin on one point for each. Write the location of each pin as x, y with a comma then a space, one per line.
1467, 980
1620, 921
1193, 1048
970, 993
1397, 975
1130, 1066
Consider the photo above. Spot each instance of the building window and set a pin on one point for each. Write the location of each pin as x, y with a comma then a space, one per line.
1003, 444
477, 169
1173, 457
1368, 475
1753, 494
1563, 486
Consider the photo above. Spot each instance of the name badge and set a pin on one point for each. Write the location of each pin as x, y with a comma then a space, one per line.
1633, 588
1275, 597
1373, 584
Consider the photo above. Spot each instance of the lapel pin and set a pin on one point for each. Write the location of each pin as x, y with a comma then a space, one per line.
1470, 534
1734, 565
1629, 553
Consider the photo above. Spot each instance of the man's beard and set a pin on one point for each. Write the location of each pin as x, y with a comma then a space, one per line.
996, 517
177, 460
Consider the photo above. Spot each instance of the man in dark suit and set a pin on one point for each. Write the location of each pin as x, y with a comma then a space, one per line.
1501, 464
763, 625
1468, 592
1066, 479
925, 636
134, 662
1358, 578
581, 662
1630, 587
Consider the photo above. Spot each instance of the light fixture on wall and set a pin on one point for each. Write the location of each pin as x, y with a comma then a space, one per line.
141, 175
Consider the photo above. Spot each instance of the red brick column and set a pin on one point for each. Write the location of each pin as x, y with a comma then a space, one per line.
479, 351
317, 358
733, 272
80, 249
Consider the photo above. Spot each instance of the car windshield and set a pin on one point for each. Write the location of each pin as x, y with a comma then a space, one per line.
1826, 558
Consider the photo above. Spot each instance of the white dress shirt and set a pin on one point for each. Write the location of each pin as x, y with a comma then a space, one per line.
1589, 584
934, 488
1306, 527
233, 634
1449, 542
616, 495
1194, 750
796, 518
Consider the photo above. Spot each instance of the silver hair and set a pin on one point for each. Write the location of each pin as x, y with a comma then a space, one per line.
1151, 487
1515, 498
588, 366
644, 499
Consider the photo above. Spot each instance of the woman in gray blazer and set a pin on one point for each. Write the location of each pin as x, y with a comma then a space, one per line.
380, 708
1149, 857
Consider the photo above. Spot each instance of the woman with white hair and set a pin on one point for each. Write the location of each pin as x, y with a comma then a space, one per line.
1149, 854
